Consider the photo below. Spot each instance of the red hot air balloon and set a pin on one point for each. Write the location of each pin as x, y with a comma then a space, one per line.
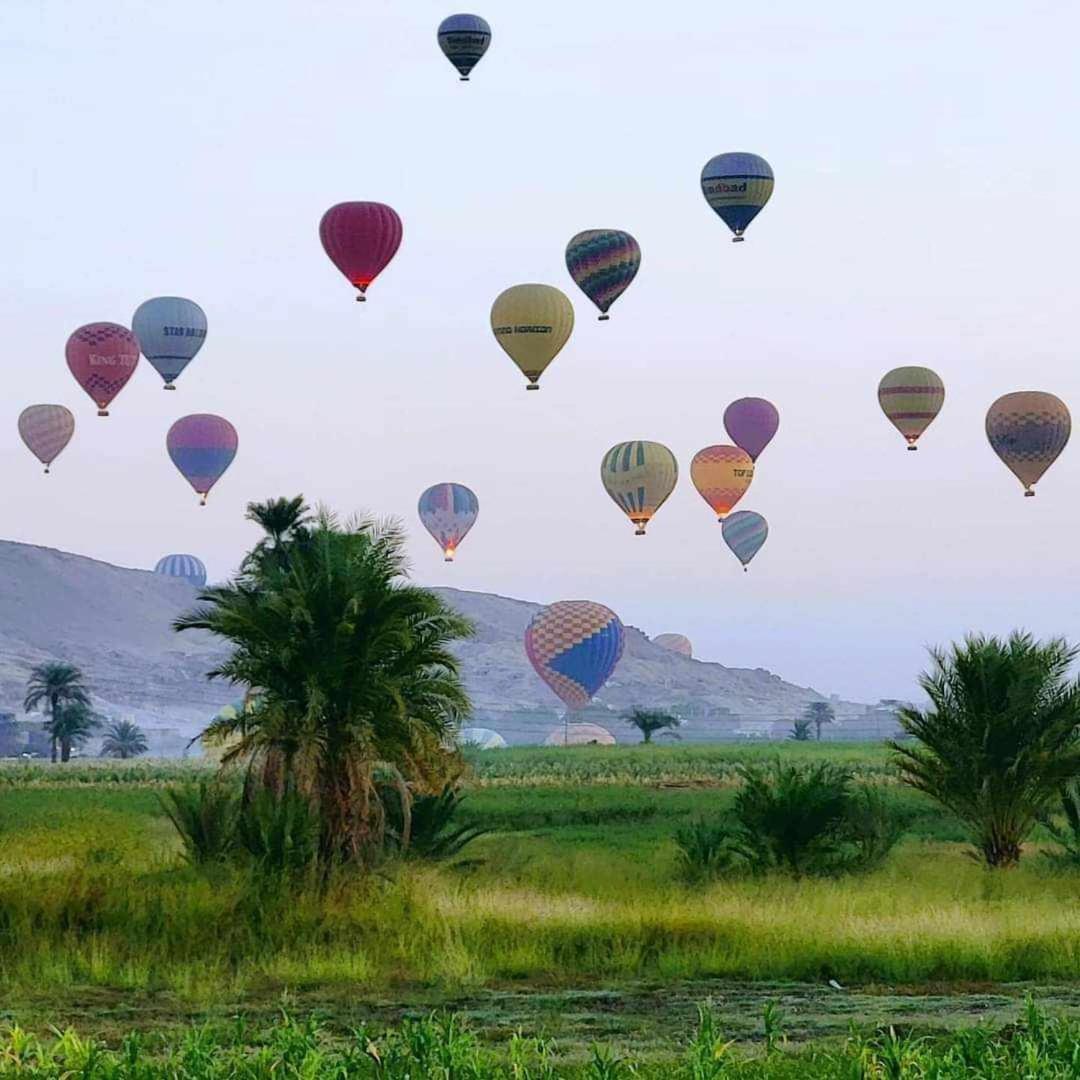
202, 446
360, 238
102, 356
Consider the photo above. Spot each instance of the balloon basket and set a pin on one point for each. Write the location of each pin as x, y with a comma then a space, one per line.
532, 386
913, 447
604, 318
737, 239
169, 386
46, 470
640, 530
103, 412
463, 78
1029, 494
202, 501
361, 298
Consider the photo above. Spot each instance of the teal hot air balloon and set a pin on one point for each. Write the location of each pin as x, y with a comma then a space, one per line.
602, 263
744, 532
171, 330
737, 186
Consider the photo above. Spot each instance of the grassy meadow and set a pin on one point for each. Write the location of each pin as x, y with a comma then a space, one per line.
568, 918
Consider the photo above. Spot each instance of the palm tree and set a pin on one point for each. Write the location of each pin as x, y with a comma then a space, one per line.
819, 713
649, 721
124, 740
284, 521
52, 686
800, 729
1000, 739
71, 726
353, 666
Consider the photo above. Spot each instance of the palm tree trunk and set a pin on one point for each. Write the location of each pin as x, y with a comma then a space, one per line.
65, 749
53, 749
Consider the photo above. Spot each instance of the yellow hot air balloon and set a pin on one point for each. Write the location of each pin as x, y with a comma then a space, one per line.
532, 323
639, 476
722, 474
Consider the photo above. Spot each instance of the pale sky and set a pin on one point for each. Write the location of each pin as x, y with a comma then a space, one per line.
925, 212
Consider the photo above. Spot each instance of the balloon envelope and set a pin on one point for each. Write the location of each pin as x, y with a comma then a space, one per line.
171, 330
464, 39
102, 356
202, 446
186, 567
602, 263
480, 738
448, 512
532, 323
360, 238
46, 430
751, 422
580, 735
574, 646
737, 186
745, 532
677, 643
722, 474
911, 397
1028, 430
639, 476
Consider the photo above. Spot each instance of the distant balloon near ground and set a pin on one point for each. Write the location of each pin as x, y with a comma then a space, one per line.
170, 330
911, 397
360, 239
202, 446
744, 533
722, 475
186, 567
479, 738
574, 646
676, 643
532, 323
46, 430
464, 39
737, 186
602, 263
751, 423
580, 735
102, 356
639, 476
448, 512
1028, 430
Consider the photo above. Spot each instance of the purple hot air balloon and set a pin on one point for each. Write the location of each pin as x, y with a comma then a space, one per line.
751, 422
202, 446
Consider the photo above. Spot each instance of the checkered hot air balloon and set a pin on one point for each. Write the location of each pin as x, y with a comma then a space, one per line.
722, 475
602, 263
745, 532
737, 186
202, 446
46, 430
574, 646
676, 643
102, 356
464, 39
360, 239
911, 397
1028, 430
186, 567
448, 512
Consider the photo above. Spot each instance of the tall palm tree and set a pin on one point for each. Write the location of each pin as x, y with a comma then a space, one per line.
353, 666
819, 713
284, 522
123, 739
71, 725
650, 721
1000, 738
52, 686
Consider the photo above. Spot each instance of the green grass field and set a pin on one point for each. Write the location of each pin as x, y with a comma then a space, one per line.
568, 919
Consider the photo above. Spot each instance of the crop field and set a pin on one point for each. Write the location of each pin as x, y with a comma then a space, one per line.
568, 921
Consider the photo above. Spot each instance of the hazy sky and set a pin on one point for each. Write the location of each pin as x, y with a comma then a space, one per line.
925, 212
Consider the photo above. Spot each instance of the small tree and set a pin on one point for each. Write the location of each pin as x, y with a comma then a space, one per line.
71, 726
124, 740
1000, 739
800, 729
52, 686
819, 713
650, 721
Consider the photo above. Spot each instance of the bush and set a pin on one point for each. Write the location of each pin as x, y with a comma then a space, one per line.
705, 850
1067, 856
432, 833
280, 835
204, 814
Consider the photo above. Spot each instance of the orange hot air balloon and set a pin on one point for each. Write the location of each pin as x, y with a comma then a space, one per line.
722, 475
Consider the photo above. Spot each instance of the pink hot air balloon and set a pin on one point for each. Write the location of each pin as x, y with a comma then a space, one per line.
202, 446
102, 356
360, 238
751, 422
46, 430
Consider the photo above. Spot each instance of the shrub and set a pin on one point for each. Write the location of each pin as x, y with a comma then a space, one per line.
204, 814
432, 832
279, 834
705, 850
1067, 856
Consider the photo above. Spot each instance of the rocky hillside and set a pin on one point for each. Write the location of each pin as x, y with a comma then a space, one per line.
114, 623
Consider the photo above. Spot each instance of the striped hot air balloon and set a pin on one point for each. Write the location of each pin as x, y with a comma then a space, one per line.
202, 446
171, 330
1028, 430
360, 238
448, 512
677, 643
46, 430
639, 476
574, 646
102, 356
532, 323
722, 475
911, 397
737, 186
602, 263
751, 422
464, 39
186, 567
745, 532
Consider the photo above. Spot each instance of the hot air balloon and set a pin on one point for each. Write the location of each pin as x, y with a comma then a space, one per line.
46, 430
202, 446
580, 735
574, 646
464, 39
1028, 430
532, 323
185, 567
102, 356
481, 738
722, 474
639, 476
737, 186
911, 397
602, 263
171, 330
677, 643
448, 512
744, 532
751, 422
360, 238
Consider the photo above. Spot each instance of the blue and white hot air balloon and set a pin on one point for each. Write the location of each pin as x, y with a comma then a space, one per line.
737, 186
464, 40
185, 567
745, 532
171, 330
